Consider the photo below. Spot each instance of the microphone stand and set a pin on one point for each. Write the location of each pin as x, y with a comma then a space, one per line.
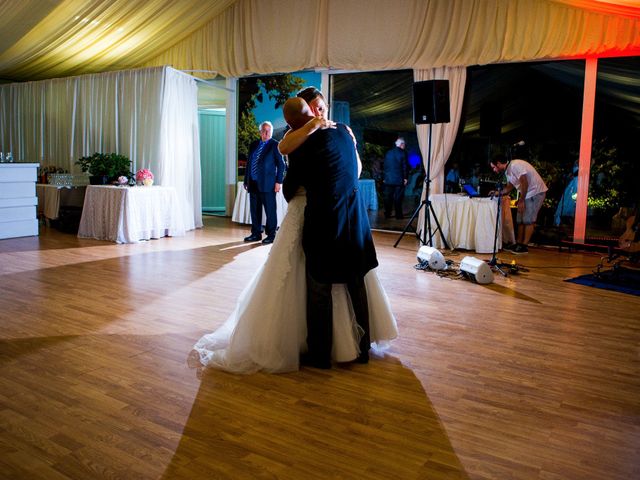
494, 263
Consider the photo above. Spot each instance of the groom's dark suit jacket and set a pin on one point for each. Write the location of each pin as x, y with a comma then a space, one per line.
336, 235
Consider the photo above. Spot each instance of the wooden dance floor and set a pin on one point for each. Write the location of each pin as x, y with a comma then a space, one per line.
529, 377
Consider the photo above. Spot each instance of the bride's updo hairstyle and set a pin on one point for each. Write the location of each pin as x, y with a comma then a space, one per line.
309, 94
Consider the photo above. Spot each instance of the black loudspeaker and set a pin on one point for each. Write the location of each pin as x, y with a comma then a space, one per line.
431, 101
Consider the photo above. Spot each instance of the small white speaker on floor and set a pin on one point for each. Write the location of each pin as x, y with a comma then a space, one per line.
432, 257
477, 270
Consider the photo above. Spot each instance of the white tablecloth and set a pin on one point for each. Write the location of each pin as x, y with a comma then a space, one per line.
242, 207
368, 193
49, 198
130, 214
467, 223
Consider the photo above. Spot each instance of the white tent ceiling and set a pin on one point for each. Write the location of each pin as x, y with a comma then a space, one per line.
53, 38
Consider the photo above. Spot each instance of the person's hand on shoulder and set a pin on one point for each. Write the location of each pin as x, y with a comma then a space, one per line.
320, 123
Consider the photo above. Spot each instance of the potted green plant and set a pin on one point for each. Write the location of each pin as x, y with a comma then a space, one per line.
103, 168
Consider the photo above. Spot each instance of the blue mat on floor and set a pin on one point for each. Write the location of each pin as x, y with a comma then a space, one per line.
621, 280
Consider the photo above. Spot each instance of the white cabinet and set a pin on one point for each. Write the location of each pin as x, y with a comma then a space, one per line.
18, 200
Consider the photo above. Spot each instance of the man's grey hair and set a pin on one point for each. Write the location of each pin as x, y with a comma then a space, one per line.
266, 122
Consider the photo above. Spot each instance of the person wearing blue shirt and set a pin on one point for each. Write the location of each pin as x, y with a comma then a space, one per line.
452, 180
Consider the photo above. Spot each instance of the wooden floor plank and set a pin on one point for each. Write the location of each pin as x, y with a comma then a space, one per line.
529, 377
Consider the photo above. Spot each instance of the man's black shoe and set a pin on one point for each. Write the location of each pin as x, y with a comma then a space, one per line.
268, 240
509, 246
362, 358
252, 238
309, 361
520, 248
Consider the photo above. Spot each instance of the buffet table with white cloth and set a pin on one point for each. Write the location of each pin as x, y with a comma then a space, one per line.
130, 214
242, 207
368, 193
467, 223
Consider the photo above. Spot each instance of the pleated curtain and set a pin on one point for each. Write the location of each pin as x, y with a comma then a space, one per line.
149, 115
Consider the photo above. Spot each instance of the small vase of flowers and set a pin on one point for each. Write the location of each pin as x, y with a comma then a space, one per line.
144, 177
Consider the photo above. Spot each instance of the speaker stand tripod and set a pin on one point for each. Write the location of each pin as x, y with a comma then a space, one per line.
428, 212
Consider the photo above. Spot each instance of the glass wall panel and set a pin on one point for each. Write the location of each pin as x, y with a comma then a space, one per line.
615, 166
378, 108
529, 111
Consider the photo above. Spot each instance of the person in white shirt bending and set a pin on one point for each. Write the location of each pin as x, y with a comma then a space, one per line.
523, 177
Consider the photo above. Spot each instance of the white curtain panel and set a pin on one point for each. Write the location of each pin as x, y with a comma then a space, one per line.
443, 134
178, 161
148, 114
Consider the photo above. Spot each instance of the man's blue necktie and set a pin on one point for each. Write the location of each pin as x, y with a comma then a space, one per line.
254, 160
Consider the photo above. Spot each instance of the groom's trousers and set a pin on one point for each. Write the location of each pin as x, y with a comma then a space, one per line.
320, 317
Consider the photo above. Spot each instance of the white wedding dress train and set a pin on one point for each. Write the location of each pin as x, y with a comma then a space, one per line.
267, 330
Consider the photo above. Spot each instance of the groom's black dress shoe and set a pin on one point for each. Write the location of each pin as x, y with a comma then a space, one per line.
362, 358
252, 238
268, 240
310, 361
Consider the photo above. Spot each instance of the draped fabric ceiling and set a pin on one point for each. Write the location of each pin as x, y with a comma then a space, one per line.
54, 38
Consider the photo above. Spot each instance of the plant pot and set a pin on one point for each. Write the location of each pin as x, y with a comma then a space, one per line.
99, 179
147, 182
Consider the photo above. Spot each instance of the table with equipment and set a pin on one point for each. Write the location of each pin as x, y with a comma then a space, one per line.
467, 223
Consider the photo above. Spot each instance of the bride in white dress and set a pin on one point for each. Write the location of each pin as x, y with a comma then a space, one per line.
267, 330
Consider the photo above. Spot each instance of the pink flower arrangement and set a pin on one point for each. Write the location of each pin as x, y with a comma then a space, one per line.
144, 174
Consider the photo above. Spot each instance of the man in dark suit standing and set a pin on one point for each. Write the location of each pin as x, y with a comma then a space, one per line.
336, 237
263, 179
396, 174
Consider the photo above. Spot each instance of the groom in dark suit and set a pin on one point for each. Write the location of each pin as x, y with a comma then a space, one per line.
336, 236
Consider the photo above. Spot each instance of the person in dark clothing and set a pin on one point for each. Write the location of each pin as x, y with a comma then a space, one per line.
396, 174
263, 179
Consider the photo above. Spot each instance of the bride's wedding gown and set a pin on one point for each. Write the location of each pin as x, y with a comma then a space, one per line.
267, 330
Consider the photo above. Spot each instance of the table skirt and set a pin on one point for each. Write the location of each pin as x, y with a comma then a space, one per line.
130, 214
242, 207
467, 223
